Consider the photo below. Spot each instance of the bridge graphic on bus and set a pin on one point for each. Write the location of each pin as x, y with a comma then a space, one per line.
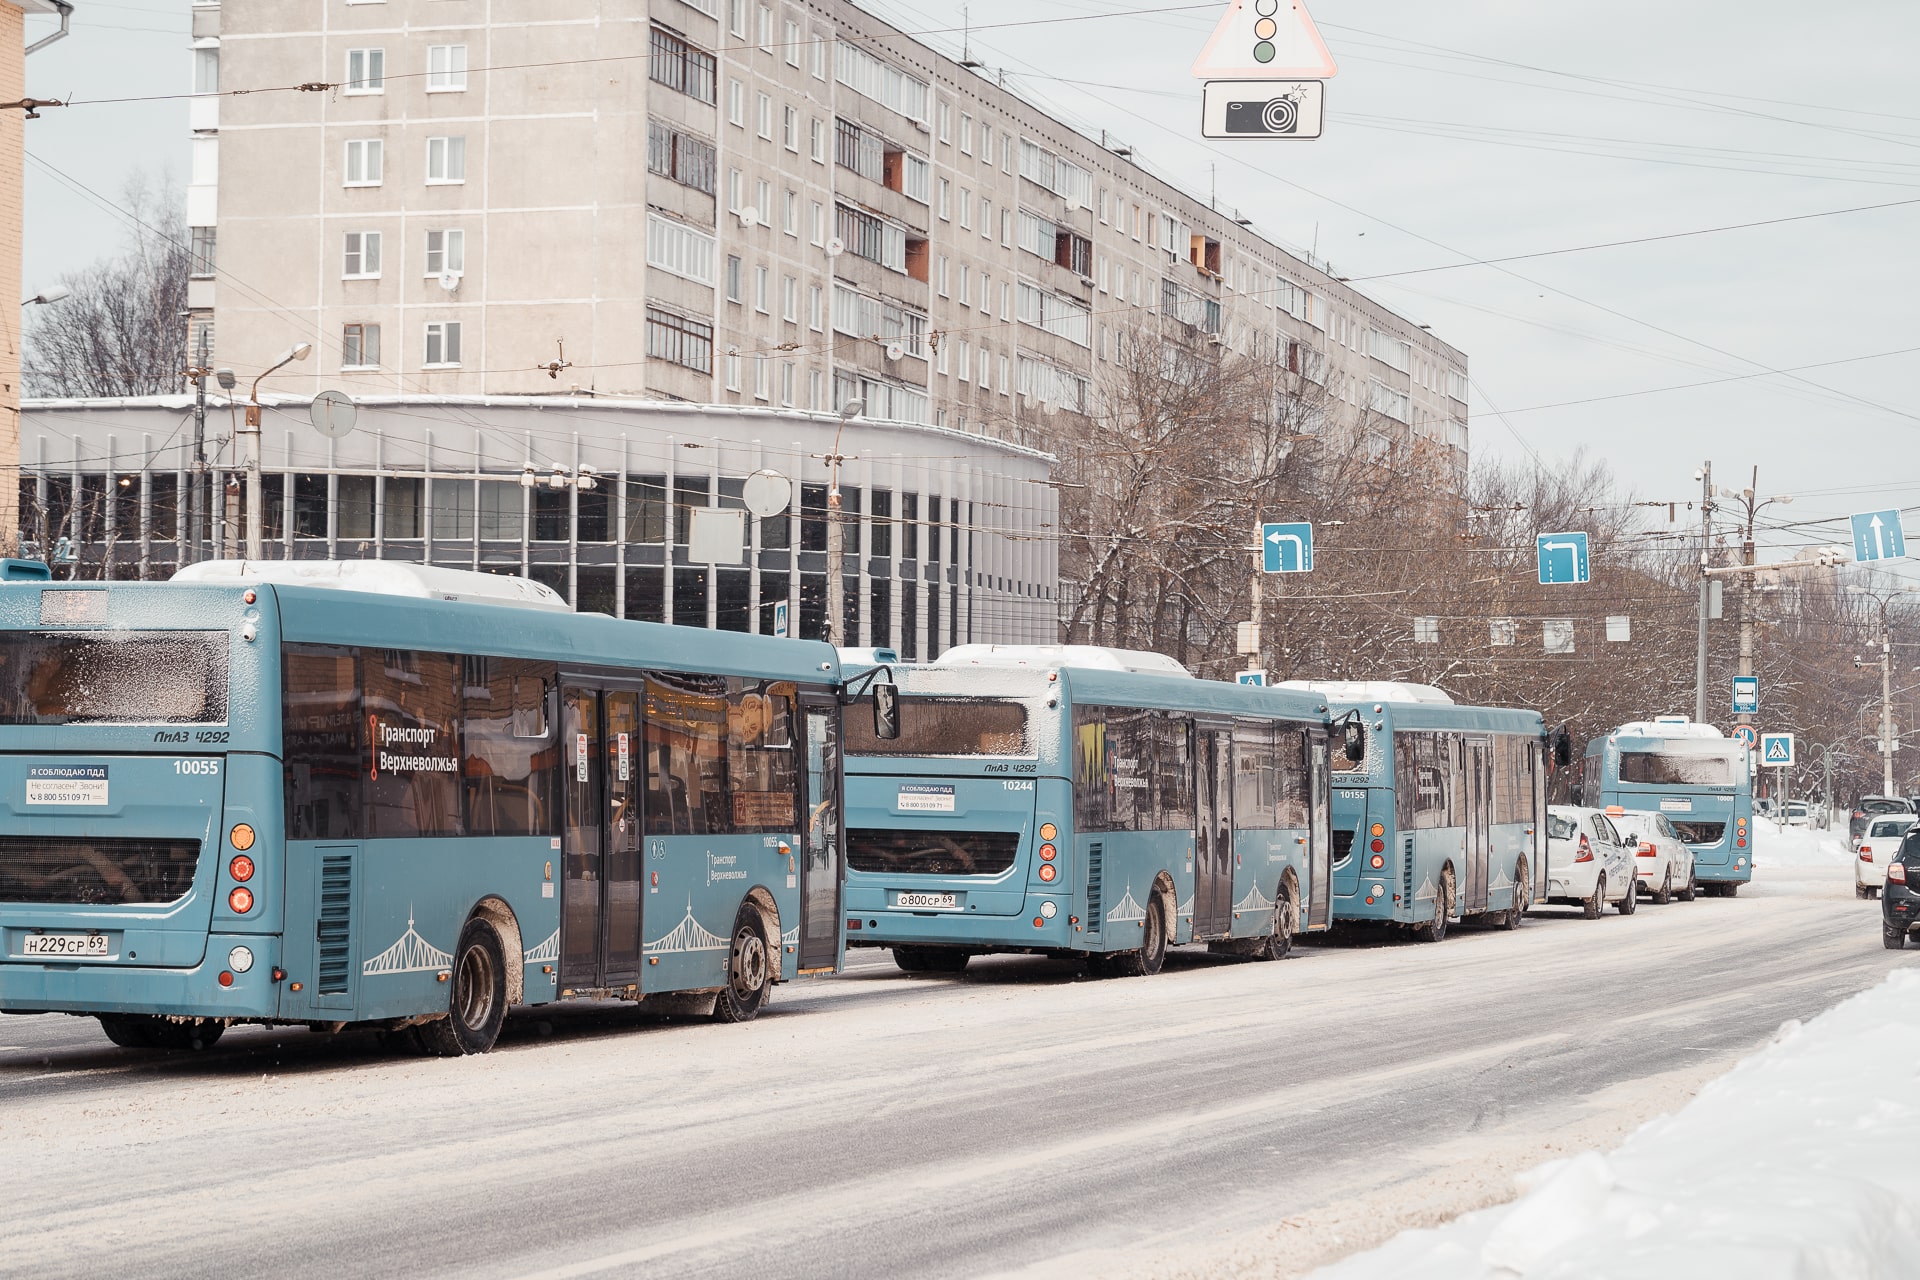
1254, 901
411, 954
1126, 911
547, 952
689, 935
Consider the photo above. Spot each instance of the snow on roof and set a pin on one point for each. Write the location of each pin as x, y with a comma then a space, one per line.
382, 577
1667, 727
1097, 657
1370, 690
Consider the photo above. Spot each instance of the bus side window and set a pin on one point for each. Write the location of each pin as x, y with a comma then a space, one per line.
322, 729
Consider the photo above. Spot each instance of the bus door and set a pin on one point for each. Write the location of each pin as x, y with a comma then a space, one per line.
600, 890
821, 863
1479, 819
1213, 834
1319, 833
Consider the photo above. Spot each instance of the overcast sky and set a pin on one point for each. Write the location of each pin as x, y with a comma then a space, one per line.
1455, 132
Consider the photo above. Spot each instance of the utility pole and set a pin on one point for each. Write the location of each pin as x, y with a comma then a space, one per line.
197, 499
1886, 704
836, 533
298, 351
1746, 594
1706, 584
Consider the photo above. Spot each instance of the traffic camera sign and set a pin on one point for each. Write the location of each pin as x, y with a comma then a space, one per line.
1776, 749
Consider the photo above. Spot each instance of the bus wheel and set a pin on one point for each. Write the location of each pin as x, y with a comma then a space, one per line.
1665, 895
1153, 945
1522, 895
1435, 929
144, 1031
749, 971
476, 997
1276, 944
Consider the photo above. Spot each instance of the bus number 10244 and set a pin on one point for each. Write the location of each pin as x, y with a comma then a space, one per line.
197, 766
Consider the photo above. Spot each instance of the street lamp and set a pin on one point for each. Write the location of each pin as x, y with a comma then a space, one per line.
836, 536
48, 296
298, 351
1886, 678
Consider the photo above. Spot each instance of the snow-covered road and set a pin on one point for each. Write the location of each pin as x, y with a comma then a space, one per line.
1221, 1118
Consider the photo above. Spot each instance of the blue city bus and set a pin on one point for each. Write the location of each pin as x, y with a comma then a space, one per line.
1443, 818
380, 795
1692, 773
1084, 803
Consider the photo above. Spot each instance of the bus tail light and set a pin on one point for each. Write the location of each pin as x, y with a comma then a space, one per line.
241, 900
1586, 850
241, 868
1048, 872
1376, 830
1376, 862
1048, 831
1047, 853
241, 837
1378, 846
1896, 872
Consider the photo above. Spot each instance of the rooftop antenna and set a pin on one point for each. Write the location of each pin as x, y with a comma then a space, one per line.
966, 45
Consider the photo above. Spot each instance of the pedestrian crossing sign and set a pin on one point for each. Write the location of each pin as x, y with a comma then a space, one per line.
1776, 750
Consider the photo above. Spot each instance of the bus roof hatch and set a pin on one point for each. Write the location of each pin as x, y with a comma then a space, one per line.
382, 577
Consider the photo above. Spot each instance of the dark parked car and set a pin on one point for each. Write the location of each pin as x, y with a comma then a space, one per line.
1900, 897
1871, 807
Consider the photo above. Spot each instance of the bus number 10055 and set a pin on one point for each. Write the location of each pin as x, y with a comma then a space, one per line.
197, 766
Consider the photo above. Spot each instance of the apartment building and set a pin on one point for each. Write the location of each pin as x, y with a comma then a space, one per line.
780, 204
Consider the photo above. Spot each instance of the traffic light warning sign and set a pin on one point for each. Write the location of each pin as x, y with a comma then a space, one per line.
1265, 40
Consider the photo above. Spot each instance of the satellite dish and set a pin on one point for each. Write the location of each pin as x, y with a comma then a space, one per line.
450, 281
333, 414
749, 217
895, 351
767, 493
836, 247
1049, 408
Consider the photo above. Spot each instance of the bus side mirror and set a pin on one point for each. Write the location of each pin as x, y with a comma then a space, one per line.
1353, 742
886, 712
1562, 749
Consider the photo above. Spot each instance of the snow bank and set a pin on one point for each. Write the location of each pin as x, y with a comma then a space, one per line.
1802, 1163
1778, 846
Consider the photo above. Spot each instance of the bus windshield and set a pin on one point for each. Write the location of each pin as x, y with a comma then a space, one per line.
113, 677
1665, 768
946, 727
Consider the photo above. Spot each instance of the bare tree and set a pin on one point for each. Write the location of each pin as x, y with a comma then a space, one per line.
120, 333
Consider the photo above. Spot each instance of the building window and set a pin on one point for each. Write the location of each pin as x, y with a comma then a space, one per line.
737, 17
817, 221
817, 140
366, 71
762, 290
790, 129
733, 277
1062, 317
736, 103
815, 319
786, 383
362, 258
679, 65
446, 160
944, 197
200, 253
446, 67
859, 316
763, 200
733, 371
679, 249
793, 44
763, 116
680, 156
789, 299
759, 377
443, 343
679, 340
866, 236
364, 156
360, 346
966, 134
765, 30
446, 253
206, 70
790, 215
885, 83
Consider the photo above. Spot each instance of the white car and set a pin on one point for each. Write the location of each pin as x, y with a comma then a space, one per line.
1878, 845
1588, 865
1796, 813
1662, 860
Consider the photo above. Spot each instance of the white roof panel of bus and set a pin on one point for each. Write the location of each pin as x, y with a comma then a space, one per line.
1088, 656
1667, 729
1370, 690
382, 577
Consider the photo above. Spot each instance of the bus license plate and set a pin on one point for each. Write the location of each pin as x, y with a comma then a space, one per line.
64, 944
927, 901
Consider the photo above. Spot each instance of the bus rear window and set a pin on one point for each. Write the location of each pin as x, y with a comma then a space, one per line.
1701, 832
113, 677
1662, 768
944, 727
